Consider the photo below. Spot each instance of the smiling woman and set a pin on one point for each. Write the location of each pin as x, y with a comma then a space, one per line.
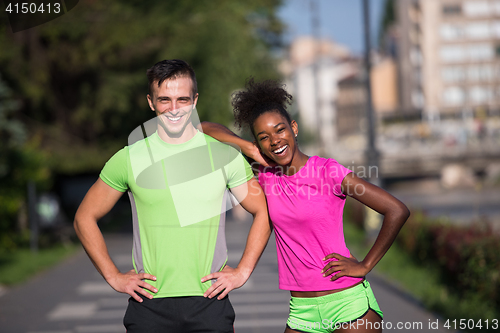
276, 132
306, 197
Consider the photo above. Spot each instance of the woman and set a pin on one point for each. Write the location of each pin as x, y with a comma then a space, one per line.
306, 196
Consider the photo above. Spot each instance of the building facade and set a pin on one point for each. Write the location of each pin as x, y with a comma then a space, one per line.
449, 57
313, 70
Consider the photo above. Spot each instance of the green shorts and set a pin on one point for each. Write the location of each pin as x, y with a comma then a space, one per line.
324, 313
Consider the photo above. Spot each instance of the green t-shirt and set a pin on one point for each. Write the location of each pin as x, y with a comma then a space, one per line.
179, 195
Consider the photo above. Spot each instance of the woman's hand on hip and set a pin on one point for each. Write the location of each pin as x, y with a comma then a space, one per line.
343, 266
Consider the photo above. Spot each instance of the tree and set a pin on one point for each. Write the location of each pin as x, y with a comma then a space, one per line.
20, 162
82, 76
387, 31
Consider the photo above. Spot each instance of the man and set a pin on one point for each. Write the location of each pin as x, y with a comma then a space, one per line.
177, 179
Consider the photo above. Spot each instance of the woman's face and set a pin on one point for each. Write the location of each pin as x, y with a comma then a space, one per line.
276, 137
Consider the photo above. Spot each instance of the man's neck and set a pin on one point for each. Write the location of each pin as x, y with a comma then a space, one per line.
187, 134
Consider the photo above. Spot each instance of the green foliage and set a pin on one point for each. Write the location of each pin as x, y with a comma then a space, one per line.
82, 76
389, 15
388, 20
467, 259
78, 83
453, 270
468, 256
20, 162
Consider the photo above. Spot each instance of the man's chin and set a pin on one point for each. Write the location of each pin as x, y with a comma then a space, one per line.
174, 131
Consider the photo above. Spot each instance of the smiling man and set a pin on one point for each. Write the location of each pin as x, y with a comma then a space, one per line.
173, 101
178, 181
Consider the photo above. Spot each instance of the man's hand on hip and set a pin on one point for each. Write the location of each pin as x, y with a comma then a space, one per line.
133, 284
226, 280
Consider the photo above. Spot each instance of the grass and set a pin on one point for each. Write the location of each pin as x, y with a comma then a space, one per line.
20, 265
424, 282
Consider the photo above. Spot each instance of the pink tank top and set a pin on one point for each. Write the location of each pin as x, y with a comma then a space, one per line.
306, 210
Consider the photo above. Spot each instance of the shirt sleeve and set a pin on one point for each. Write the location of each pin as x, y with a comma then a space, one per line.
238, 171
335, 173
115, 172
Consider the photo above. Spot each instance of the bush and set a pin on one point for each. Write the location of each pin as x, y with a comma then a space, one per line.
467, 257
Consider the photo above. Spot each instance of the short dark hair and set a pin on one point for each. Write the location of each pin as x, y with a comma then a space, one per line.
171, 69
259, 98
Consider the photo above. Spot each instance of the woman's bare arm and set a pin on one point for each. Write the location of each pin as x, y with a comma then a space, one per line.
395, 215
224, 134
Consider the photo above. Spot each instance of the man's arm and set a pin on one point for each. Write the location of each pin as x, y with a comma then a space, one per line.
98, 202
223, 134
252, 198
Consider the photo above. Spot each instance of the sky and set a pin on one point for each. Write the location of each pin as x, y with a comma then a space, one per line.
340, 20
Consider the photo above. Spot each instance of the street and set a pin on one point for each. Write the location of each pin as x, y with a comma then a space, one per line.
73, 298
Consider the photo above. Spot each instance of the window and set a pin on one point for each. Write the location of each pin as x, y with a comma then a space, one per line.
453, 74
487, 73
495, 29
417, 76
473, 73
482, 73
451, 32
415, 35
415, 56
495, 7
480, 95
480, 52
414, 14
478, 30
417, 99
476, 8
453, 96
452, 53
449, 10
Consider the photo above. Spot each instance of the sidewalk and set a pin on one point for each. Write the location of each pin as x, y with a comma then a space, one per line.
73, 298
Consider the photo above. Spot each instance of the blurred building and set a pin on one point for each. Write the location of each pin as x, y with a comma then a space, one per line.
351, 102
449, 57
436, 95
313, 69
384, 85
327, 83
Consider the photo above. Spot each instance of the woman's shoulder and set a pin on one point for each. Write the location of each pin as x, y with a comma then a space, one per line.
329, 168
318, 161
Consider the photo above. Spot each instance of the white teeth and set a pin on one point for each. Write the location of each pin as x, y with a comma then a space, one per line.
174, 119
280, 150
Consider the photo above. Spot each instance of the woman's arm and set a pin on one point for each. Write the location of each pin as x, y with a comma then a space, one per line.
224, 134
395, 215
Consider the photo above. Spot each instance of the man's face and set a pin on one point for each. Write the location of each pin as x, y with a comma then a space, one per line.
173, 103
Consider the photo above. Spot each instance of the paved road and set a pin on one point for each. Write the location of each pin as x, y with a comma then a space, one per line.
73, 298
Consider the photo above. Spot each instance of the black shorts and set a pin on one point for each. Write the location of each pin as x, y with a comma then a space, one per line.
179, 314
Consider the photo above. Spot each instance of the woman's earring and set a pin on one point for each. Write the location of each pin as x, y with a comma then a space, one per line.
295, 135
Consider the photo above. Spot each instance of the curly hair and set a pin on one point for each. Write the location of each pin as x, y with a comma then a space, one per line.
259, 98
